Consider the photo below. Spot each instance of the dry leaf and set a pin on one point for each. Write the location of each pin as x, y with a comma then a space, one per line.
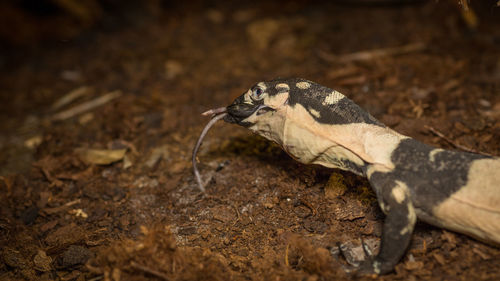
100, 156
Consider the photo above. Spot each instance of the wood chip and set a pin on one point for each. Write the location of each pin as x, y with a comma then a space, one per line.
414, 265
69, 97
481, 254
86, 106
48, 226
450, 237
439, 258
50, 211
100, 156
374, 54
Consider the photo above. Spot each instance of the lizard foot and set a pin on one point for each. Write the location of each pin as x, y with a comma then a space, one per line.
361, 261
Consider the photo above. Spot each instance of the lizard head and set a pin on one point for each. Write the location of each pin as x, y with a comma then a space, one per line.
259, 103
262, 109
270, 98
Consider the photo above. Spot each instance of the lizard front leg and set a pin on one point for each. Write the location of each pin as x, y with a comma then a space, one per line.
395, 201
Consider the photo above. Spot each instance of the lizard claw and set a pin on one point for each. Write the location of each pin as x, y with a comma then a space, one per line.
359, 264
366, 249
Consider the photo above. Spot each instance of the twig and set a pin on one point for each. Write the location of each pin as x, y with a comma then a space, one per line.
453, 143
48, 175
148, 270
309, 206
69, 97
86, 106
50, 211
373, 54
237, 213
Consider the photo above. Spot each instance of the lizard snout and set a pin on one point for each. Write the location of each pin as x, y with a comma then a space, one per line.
239, 111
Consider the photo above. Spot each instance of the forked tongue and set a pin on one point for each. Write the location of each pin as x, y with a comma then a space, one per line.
217, 114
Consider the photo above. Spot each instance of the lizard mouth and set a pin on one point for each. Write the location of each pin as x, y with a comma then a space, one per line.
240, 111
237, 113
234, 113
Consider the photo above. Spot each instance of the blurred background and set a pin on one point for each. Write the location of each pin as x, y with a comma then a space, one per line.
100, 104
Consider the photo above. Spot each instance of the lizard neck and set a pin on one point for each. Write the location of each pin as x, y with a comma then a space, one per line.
349, 146
371, 143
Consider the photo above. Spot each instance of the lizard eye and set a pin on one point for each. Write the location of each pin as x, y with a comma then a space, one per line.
257, 93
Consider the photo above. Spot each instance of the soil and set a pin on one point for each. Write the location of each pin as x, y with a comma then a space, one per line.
66, 215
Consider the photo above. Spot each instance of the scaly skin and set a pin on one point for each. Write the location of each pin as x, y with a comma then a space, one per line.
317, 125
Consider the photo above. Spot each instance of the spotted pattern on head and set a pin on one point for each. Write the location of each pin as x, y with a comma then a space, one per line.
333, 98
290, 93
262, 85
315, 113
303, 85
282, 86
277, 100
313, 95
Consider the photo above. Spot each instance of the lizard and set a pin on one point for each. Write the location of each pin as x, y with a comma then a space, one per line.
314, 124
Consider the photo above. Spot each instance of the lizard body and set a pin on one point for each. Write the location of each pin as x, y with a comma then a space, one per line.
317, 125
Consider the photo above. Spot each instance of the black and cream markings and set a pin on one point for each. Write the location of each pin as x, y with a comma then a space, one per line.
317, 125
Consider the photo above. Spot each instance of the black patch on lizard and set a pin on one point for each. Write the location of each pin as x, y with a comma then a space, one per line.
345, 111
429, 182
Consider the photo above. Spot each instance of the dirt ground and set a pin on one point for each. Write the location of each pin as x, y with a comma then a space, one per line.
134, 213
